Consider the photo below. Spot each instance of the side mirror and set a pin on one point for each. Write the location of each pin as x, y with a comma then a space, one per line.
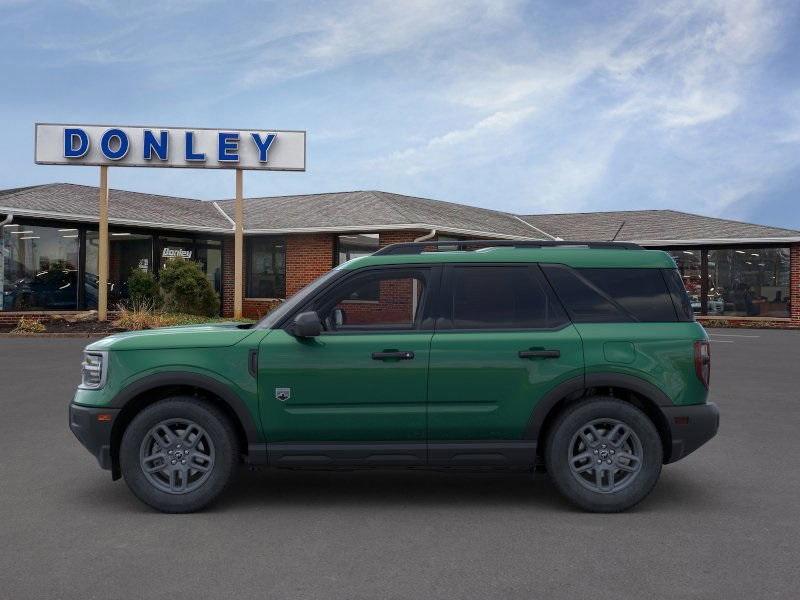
307, 325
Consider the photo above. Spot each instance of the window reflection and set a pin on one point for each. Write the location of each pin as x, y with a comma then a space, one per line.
749, 282
39, 268
128, 251
266, 267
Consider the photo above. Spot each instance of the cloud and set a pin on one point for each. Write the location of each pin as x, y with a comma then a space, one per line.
466, 146
326, 39
568, 108
550, 105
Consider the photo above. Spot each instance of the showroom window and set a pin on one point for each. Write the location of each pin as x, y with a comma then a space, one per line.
355, 245
128, 251
266, 267
209, 255
737, 281
39, 267
749, 282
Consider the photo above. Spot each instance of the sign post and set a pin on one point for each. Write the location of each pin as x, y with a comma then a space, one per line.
103, 253
175, 147
238, 244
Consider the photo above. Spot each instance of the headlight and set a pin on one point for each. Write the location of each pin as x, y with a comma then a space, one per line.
93, 370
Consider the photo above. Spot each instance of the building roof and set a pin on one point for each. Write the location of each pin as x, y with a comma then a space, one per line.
653, 227
80, 203
364, 211
360, 210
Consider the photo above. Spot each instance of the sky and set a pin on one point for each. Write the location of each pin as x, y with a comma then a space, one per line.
528, 107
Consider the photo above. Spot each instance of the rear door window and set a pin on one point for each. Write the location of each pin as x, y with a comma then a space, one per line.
500, 297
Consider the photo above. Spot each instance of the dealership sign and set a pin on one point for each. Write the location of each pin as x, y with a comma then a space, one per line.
193, 148
176, 253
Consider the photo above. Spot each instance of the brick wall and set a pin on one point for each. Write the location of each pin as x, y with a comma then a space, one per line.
393, 305
255, 309
395, 237
13, 317
307, 257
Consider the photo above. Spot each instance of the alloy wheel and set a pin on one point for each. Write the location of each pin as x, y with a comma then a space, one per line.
605, 455
177, 456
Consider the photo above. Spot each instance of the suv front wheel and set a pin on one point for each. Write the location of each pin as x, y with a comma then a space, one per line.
604, 454
178, 454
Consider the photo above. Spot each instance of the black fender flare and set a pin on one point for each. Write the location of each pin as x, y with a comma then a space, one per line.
577, 387
205, 382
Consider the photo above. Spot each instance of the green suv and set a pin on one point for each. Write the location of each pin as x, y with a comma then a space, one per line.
581, 358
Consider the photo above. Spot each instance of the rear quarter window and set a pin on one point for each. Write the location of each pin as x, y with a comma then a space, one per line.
612, 295
680, 299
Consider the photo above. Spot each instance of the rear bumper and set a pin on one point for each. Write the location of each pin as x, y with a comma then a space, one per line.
690, 427
92, 426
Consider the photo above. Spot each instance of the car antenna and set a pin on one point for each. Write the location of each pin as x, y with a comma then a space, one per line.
621, 225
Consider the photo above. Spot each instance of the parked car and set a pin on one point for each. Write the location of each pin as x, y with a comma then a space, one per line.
714, 304
50, 289
583, 359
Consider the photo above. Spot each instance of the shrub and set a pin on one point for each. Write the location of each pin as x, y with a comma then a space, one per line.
143, 289
26, 325
186, 290
142, 317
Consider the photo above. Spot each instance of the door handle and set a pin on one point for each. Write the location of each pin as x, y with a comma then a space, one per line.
393, 354
539, 353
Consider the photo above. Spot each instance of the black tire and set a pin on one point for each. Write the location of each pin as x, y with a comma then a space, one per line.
571, 438
220, 442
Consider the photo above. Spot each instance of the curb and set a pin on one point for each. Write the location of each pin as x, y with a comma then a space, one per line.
52, 335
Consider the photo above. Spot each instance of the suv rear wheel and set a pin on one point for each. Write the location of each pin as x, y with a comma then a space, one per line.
604, 454
178, 454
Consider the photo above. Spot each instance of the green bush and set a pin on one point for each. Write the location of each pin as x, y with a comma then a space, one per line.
186, 290
143, 289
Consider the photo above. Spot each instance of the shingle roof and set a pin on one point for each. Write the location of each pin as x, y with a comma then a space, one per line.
363, 211
652, 225
351, 211
131, 208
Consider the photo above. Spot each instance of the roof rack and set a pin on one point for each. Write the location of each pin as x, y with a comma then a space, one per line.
420, 247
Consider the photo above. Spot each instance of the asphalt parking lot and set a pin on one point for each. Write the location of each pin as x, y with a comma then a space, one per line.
723, 523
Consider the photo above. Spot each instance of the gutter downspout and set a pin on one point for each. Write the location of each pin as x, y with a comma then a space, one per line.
427, 236
8, 219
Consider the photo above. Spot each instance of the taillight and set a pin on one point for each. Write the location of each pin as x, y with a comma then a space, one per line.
702, 361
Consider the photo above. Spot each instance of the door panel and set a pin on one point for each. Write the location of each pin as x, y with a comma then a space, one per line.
480, 388
338, 392
502, 342
365, 378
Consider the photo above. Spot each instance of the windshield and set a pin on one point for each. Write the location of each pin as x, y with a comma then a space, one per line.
269, 321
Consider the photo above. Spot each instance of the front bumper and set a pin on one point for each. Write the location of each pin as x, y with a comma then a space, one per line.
92, 426
690, 427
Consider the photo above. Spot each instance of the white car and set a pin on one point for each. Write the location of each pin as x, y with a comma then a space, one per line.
715, 306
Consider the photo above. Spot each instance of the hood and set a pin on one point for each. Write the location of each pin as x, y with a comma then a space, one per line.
217, 335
